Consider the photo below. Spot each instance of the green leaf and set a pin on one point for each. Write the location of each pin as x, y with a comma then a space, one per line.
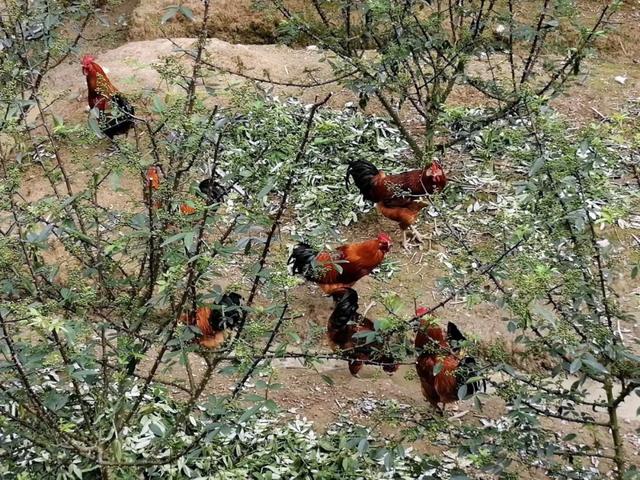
249, 413
158, 428
54, 400
438, 368
170, 12
327, 379
173, 238
575, 365
188, 240
187, 12
95, 126
462, 392
267, 188
536, 166
158, 104
594, 364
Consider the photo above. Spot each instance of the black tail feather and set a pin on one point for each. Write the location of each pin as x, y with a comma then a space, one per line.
467, 368
454, 337
212, 190
346, 306
227, 313
302, 260
362, 173
119, 120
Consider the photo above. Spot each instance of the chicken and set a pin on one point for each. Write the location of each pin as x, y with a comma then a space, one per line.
342, 269
213, 322
152, 184
114, 110
441, 370
212, 191
397, 196
344, 323
153, 178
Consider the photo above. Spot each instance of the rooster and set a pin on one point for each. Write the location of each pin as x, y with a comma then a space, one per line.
441, 370
212, 322
342, 269
344, 323
212, 191
397, 196
115, 113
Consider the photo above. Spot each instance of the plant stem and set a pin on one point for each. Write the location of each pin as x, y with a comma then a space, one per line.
618, 444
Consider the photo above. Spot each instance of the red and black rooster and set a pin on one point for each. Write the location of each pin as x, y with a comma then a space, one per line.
344, 323
341, 269
397, 197
115, 113
441, 370
214, 321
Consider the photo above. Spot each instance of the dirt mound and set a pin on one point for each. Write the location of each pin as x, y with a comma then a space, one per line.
131, 69
237, 21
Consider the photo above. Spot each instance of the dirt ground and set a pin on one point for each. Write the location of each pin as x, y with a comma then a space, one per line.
130, 67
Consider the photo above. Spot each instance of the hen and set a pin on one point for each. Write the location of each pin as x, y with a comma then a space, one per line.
213, 322
344, 323
441, 370
115, 113
397, 197
343, 268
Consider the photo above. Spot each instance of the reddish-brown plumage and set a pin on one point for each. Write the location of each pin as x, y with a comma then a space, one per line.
344, 323
397, 196
341, 339
213, 322
153, 178
210, 338
99, 87
392, 189
441, 388
393, 193
437, 352
342, 268
186, 209
115, 113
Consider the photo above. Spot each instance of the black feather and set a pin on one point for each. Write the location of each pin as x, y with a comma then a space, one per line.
454, 335
212, 190
227, 313
363, 173
467, 368
119, 120
345, 306
302, 260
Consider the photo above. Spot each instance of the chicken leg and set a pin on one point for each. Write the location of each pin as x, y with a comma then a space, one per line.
415, 235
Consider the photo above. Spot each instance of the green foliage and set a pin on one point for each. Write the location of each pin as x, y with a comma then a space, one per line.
260, 146
96, 296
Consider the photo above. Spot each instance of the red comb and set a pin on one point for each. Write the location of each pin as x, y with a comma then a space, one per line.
384, 238
88, 60
421, 311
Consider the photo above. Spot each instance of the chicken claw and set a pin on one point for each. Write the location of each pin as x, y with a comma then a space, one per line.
417, 236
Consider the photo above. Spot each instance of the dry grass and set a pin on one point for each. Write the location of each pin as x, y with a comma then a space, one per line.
235, 21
